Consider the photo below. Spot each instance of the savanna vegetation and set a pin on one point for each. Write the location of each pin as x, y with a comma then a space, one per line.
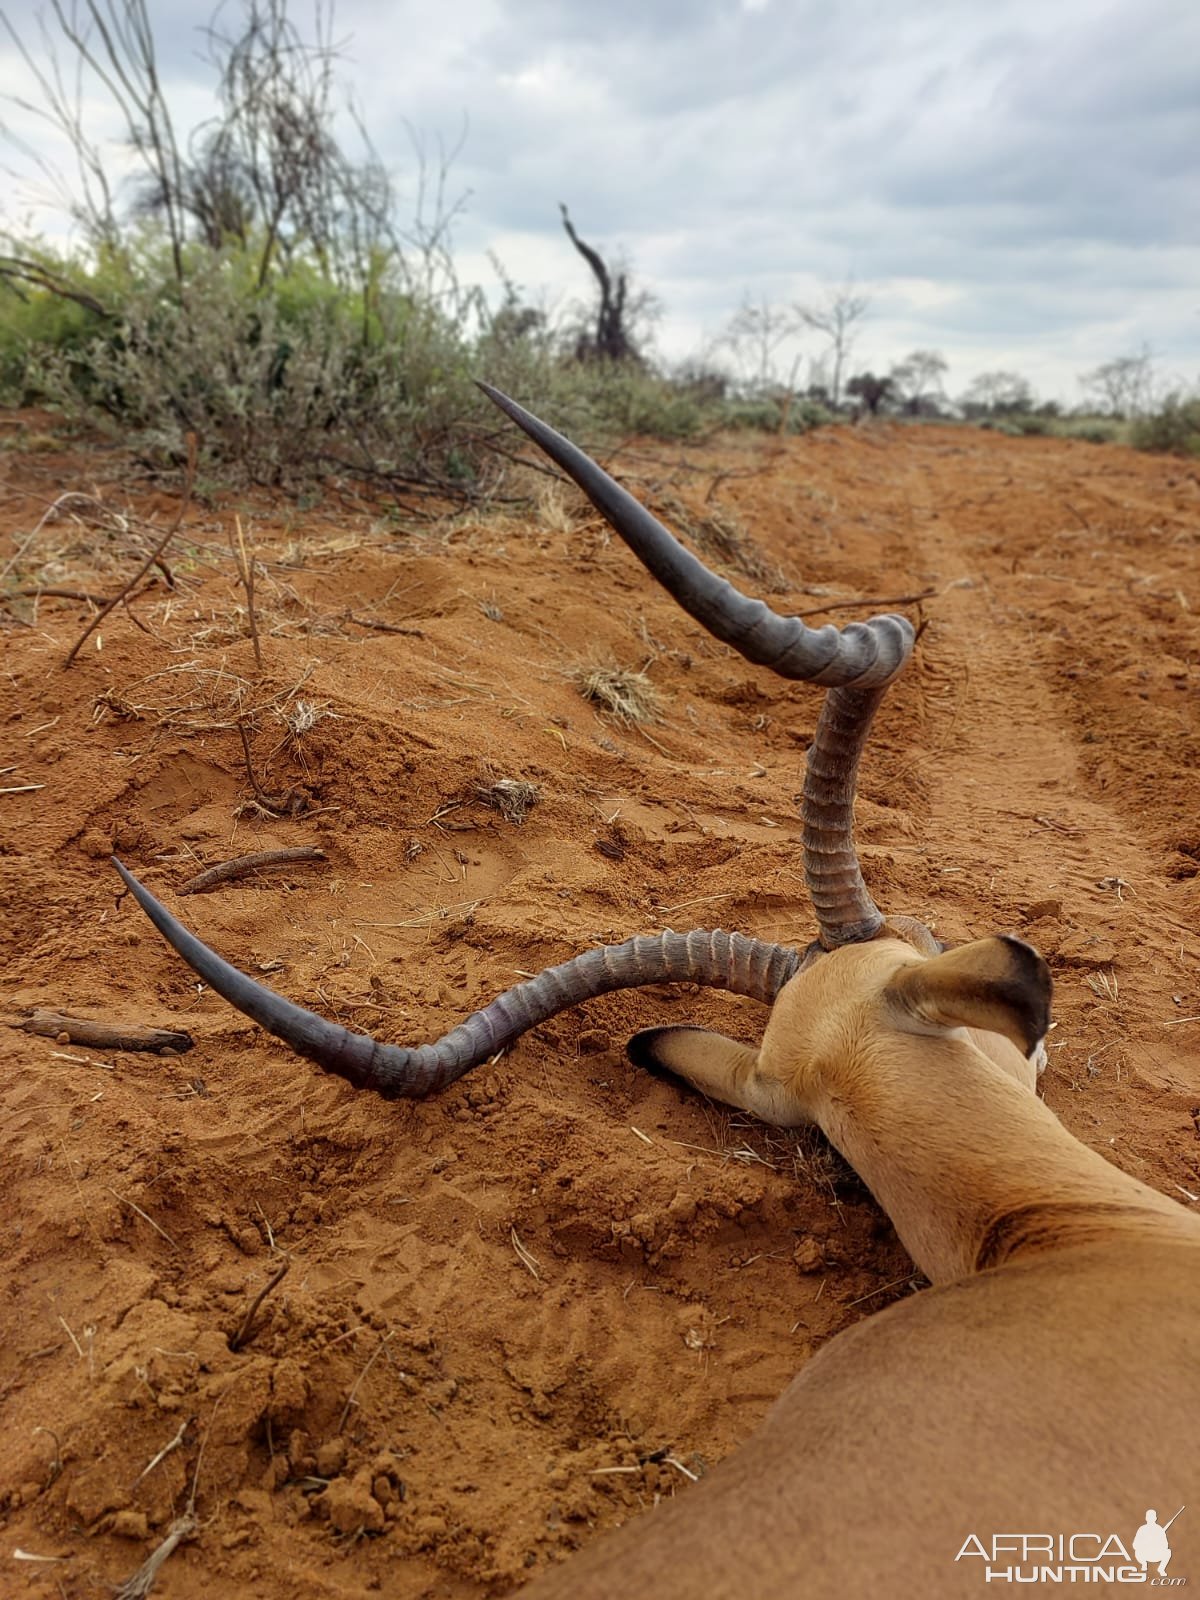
250, 282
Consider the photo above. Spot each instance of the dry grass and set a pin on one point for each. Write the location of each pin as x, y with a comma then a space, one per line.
513, 798
558, 505
627, 695
721, 536
1104, 986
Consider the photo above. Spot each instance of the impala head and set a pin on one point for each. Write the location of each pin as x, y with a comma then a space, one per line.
855, 969
850, 1012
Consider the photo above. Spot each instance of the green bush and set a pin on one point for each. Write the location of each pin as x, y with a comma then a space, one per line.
1175, 428
1091, 430
302, 375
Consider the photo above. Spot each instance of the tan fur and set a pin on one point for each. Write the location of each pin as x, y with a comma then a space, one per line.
1049, 1382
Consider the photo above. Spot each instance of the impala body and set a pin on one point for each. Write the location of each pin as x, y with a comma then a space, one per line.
1037, 1406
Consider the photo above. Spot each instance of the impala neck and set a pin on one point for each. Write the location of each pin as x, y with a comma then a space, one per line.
973, 1169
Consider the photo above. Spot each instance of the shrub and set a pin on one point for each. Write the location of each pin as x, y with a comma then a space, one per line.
1174, 428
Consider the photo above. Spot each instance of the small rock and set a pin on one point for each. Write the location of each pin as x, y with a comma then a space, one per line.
331, 1458
808, 1256
1041, 909
131, 1525
351, 1507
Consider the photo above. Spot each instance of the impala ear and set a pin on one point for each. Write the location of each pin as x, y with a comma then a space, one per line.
719, 1067
1000, 984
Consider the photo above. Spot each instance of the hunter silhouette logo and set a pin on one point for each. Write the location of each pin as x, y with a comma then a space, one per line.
1150, 1543
1077, 1557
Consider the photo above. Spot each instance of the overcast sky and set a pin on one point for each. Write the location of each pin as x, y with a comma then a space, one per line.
1013, 182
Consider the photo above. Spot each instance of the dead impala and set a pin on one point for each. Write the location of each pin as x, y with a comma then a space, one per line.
1013, 1422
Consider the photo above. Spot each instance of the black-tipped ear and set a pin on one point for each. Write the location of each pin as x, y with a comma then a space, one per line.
642, 1052
719, 1067
999, 984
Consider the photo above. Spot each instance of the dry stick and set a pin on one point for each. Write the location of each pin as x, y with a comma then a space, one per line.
384, 627
888, 600
35, 591
171, 1444
371, 1360
56, 1465
154, 559
55, 505
245, 568
104, 1035
145, 1215
278, 805
242, 866
243, 1333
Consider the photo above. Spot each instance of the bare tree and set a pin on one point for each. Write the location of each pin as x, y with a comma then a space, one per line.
1123, 387
267, 171
112, 42
837, 319
918, 379
617, 310
755, 332
997, 393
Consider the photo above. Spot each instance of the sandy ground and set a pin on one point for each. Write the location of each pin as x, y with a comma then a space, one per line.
517, 1315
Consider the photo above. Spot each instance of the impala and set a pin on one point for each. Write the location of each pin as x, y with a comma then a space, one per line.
1034, 1416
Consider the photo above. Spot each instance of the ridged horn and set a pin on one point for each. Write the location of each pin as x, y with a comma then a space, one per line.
856, 663
863, 654
718, 960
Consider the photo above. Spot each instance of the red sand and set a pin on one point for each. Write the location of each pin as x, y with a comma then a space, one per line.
520, 1313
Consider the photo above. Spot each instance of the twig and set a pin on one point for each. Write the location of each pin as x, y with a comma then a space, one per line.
145, 1216
887, 600
245, 568
273, 1282
105, 1035
81, 1061
882, 1289
139, 1585
242, 866
294, 803
56, 1465
171, 1444
383, 627
524, 1256
37, 590
371, 1360
51, 509
152, 560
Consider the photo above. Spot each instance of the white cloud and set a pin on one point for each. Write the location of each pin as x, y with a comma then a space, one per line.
1016, 184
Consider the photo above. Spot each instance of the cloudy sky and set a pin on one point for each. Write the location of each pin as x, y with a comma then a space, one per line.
1013, 182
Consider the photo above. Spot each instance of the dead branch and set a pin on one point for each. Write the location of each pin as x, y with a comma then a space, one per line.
887, 600
382, 627
242, 866
242, 1336
104, 1035
152, 560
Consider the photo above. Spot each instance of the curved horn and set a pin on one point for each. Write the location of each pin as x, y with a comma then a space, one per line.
719, 960
864, 654
846, 913
856, 663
